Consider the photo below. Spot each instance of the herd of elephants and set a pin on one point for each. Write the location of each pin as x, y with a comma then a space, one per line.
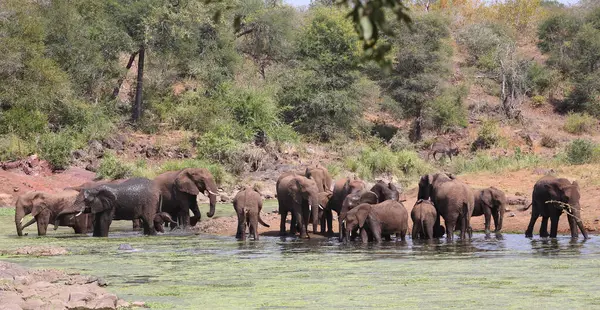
310, 195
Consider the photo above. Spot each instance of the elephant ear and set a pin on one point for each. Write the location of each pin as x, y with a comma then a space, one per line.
362, 214
184, 183
38, 204
105, 199
369, 197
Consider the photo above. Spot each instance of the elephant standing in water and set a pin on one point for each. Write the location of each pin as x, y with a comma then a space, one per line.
551, 196
248, 204
424, 217
378, 220
179, 190
453, 200
341, 189
299, 195
491, 203
47, 209
136, 198
385, 191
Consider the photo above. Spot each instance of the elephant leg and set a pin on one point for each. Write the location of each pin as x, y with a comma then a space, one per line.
102, 224
532, 220
322, 221
487, 213
41, 227
254, 226
544, 227
329, 215
554, 225
498, 216
136, 224
195, 210
298, 211
450, 225
283, 215
415, 231
428, 231
241, 226
148, 222
364, 235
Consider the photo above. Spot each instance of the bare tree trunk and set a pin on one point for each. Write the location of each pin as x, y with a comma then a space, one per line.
120, 81
136, 113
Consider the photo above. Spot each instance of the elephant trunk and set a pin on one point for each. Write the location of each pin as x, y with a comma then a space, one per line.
19, 215
577, 219
212, 190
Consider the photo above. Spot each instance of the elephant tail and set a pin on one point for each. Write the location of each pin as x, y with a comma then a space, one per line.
262, 222
525, 209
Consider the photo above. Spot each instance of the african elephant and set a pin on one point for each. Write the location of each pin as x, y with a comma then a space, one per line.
299, 195
248, 204
160, 219
321, 176
385, 191
46, 208
378, 220
136, 198
341, 189
424, 217
179, 190
551, 196
453, 200
490, 202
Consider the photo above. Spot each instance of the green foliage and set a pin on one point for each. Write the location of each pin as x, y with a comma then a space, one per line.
23, 122
372, 162
56, 148
578, 123
12, 147
482, 42
485, 162
540, 78
111, 167
447, 110
487, 136
538, 101
581, 151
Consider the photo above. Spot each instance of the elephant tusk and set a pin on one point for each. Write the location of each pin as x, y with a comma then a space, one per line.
78, 214
321, 207
21, 222
309, 208
210, 192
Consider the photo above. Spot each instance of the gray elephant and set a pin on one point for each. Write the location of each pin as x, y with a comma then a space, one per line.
385, 191
321, 176
179, 190
341, 189
453, 201
248, 204
299, 195
551, 196
423, 216
377, 221
491, 203
160, 219
136, 198
47, 209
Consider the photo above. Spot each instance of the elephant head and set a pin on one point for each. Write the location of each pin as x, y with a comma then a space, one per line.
198, 180
427, 184
356, 218
99, 199
42, 206
24, 206
568, 193
160, 219
386, 191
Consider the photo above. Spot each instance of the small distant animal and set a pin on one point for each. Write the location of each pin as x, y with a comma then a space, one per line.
443, 146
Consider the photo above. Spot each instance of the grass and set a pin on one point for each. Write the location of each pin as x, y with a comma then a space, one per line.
484, 162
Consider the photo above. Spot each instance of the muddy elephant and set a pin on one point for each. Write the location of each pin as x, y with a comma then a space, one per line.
247, 204
136, 198
46, 209
385, 191
160, 219
491, 203
179, 190
299, 195
423, 216
453, 201
342, 188
551, 196
378, 220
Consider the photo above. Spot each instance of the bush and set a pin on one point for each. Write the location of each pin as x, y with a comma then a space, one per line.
548, 141
12, 147
112, 168
448, 111
538, 101
484, 162
215, 147
400, 142
487, 137
581, 151
578, 123
56, 148
540, 78
23, 122
482, 41
373, 162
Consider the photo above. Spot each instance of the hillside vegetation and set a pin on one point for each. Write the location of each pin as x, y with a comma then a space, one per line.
515, 84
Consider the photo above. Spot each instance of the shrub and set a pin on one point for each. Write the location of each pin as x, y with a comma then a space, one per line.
373, 162
484, 162
56, 148
12, 147
215, 147
548, 141
487, 137
581, 151
482, 41
538, 101
578, 123
112, 168
400, 142
23, 122
540, 78
447, 110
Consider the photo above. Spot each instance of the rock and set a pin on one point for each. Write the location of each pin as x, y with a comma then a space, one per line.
80, 295
107, 301
512, 215
9, 306
10, 298
6, 200
517, 201
77, 305
57, 304
79, 154
95, 148
139, 304
114, 143
32, 304
101, 282
224, 198
125, 247
123, 304
15, 189
541, 171
519, 194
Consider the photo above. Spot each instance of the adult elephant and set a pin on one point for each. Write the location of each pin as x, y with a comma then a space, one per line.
341, 189
385, 191
321, 176
46, 208
551, 196
491, 203
453, 200
299, 195
179, 190
136, 198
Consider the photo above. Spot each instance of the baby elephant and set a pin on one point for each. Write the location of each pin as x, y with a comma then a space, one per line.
423, 216
247, 204
490, 202
160, 219
378, 220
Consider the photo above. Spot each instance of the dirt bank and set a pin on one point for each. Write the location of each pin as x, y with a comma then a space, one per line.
21, 288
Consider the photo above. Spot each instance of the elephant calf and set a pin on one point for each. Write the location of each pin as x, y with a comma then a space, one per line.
160, 219
248, 204
490, 202
423, 216
379, 220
